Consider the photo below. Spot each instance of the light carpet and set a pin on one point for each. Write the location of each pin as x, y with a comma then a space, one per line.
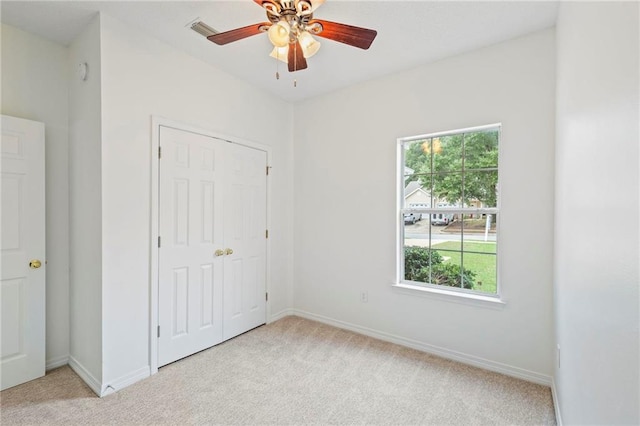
293, 371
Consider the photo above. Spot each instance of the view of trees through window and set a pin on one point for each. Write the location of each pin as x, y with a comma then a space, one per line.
450, 209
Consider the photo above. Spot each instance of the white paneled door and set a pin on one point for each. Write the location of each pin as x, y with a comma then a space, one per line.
245, 240
210, 269
22, 247
190, 218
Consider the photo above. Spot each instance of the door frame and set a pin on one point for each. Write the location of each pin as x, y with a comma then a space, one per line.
156, 123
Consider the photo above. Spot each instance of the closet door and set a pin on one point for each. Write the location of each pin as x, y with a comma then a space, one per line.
245, 225
191, 261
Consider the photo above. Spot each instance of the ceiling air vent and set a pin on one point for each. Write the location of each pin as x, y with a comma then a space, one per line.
203, 29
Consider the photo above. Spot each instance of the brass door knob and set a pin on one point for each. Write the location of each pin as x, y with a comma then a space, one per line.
228, 251
218, 252
35, 264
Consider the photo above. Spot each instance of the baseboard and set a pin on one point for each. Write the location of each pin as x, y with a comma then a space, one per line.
126, 380
283, 313
84, 374
509, 370
556, 401
56, 362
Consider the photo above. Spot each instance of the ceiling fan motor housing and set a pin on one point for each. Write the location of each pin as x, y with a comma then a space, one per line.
295, 12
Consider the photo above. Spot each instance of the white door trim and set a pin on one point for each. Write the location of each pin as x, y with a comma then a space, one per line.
156, 123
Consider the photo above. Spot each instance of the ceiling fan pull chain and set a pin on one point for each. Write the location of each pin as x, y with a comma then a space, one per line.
295, 62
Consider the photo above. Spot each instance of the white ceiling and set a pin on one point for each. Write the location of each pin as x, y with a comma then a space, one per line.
410, 33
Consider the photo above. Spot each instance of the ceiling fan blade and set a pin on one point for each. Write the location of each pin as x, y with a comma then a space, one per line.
295, 58
347, 34
238, 33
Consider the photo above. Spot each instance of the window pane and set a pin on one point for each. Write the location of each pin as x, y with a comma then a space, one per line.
417, 157
417, 192
416, 249
447, 153
479, 233
479, 259
446, 268
481, 270
480, 189
481, 150
447, 189
418, 263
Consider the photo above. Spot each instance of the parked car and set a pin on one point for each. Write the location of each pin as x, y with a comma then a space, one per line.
412, 218
441, 218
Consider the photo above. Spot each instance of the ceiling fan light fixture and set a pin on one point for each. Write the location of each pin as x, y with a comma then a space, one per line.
291, 28
280, 53
310, 46
279, 34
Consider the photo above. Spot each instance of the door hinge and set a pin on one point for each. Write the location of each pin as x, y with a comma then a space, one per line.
159, 152
158, 240
266, 234
266, 297
268, 170
158, 331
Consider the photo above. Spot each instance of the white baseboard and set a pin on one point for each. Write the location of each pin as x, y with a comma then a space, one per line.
84, 374
56, 362
126, 380
283, 313
556, 402
114, 385
509, 370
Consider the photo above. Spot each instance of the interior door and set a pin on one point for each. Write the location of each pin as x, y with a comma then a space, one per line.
22, 247
190, 228
245, 225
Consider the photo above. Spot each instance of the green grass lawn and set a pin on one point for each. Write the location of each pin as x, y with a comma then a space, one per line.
483, 265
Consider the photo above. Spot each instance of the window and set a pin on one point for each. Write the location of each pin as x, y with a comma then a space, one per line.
448, 210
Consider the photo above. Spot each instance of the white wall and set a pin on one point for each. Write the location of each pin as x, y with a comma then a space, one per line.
140, 77
34, 86
86, 336
596, 260
345, 203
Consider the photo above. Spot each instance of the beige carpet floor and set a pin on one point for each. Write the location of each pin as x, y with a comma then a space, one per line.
293, 371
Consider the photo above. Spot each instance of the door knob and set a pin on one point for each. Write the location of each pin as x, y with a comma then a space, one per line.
228, 251
218, 252
35, 264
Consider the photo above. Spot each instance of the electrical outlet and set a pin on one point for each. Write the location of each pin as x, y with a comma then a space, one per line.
364, 297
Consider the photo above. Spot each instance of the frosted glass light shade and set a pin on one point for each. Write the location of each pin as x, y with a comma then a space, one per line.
280, 53
279, 34
310, 46
316, 4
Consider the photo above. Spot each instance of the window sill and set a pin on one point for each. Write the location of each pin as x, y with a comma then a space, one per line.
451, 296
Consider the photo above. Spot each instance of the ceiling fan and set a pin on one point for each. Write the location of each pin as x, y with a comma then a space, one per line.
291, 28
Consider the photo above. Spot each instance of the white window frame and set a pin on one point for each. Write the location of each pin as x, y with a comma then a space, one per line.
445, 292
